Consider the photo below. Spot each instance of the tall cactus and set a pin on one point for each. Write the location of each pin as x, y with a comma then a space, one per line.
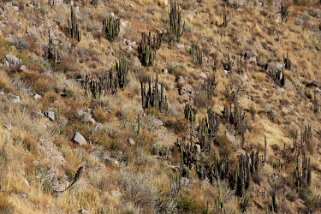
74, 25
52, 52
121, 69
154, 96
111, 27
302, 175
146, 50
176, 23
189, 112
197, 54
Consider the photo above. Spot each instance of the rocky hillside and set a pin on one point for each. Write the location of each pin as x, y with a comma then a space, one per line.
157, 106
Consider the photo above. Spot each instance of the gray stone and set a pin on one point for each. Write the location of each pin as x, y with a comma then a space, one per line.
184, 181
78, 138
13, 60
131, 141
157, 122
236, 3
115, 193
50, 114
14, 98
180, 46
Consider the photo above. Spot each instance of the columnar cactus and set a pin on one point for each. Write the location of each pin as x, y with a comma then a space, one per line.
197, 54
287, 62
121, 69
189, 112
52, 52
154, 96
176, 23
302, 175
74, 25
111, 27
110, 82
147, 50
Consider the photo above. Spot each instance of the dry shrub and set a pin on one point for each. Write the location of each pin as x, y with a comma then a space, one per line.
101, 115
179, 126
224, 145
43, 84
49, 99
5, 204
138, 189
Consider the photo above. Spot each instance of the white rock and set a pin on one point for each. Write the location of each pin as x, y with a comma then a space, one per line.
78, 138
131, 141
203, 75
13, 60
180, 46
37, 97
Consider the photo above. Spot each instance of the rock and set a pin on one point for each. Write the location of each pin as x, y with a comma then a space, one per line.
123, 26
8, 127
198, 148
274, 67
37, 97
184, 181
236, 3
78, 138
180, 46
85, 116
157, 122
203, 75
50, 114
165, 71
23, 68
83, 211
13, 60
131, 142
99, 154
14, 98
262, 61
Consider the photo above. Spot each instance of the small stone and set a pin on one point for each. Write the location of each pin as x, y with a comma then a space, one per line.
184, 181
165, 71
78, 138
8, 127
203, 75
180, 46
198, 148
50, 114
23, 68
14, 98
83, 211
157, 122
37, 97
131, 141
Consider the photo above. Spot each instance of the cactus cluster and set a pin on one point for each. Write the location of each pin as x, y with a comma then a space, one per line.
274, 202
74, 25
197, 54
207, 130
235, 116
188, 153
52, 51
302, 173
190, 112
111, 27
176, 23
154, 96
112, 81
210, 86
147, 48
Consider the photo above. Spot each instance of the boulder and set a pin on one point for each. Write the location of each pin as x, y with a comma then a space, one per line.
13, 60
78, 138
37, 97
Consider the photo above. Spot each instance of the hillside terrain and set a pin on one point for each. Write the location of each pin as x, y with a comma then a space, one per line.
159, 106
